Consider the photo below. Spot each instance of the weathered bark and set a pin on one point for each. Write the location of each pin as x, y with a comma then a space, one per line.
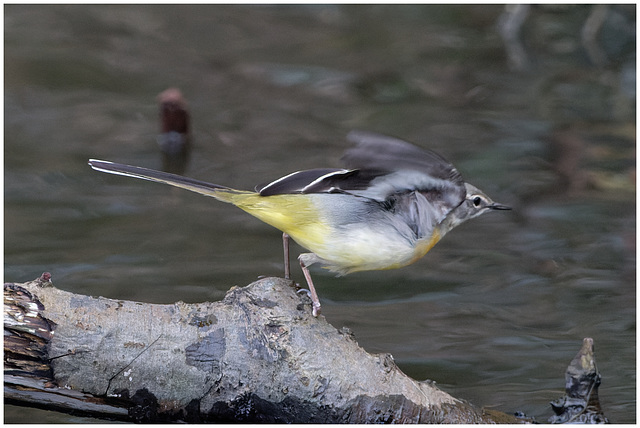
256, 356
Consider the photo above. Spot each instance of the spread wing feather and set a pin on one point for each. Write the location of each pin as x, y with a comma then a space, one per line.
380, 152
379, 167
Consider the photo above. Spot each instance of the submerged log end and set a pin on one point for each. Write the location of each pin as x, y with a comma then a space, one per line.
580, 404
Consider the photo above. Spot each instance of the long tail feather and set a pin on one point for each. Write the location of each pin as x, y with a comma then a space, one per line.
292, 214
197, 186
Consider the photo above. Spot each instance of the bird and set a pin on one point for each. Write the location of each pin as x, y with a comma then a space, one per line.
389, 204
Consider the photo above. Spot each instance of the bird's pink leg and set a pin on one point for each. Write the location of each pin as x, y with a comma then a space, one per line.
315, 302
285, 246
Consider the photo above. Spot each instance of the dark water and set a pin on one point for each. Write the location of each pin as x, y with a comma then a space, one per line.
494, 313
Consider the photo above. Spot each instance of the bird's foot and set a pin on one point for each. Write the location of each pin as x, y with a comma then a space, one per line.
315, 305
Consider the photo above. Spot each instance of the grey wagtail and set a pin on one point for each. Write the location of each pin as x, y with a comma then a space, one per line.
386, 209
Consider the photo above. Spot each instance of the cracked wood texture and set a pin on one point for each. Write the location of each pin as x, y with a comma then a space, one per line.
256, 356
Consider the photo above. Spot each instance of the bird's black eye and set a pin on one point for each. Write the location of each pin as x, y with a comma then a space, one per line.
477, 201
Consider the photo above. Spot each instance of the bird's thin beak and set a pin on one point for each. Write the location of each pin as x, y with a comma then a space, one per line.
495, 206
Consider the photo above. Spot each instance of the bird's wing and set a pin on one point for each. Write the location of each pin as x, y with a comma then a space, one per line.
379, 167
402, 167
319, 180
380, 152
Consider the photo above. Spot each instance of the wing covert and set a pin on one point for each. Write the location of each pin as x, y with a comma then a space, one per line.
309, 181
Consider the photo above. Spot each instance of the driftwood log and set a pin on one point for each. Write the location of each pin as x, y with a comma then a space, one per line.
256, 356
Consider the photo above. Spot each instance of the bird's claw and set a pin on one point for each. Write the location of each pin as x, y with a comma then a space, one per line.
315, 311
315, 306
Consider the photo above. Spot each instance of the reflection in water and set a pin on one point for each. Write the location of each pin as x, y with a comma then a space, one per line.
493, 313
174, 140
